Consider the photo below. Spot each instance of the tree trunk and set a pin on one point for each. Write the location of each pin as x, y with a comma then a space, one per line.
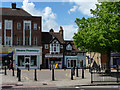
108, 61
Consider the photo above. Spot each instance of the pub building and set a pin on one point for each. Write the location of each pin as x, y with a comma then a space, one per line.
52, 43
20, 38
74, 57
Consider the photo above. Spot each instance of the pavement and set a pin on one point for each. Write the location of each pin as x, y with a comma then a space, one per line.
44, 79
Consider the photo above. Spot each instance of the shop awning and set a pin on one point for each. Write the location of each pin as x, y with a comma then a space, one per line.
54, 55
3, 54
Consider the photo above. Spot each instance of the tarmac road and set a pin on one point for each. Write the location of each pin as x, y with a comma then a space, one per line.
73, 88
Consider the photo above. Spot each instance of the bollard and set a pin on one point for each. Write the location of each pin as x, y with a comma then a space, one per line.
17, 71
35, 75
5, 71
13, 71
82, 73
77, 72
53, 74
72, 74
19, 75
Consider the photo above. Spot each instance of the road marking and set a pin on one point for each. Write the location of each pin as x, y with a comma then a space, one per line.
27, 78
66, 74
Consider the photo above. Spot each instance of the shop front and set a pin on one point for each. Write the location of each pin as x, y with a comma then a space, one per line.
27, 58
53, 61
75, 61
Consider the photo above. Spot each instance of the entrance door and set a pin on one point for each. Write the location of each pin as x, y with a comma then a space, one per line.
27, 62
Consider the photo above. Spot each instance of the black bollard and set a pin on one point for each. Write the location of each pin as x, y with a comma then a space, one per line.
13, 71
82, 73
19, 75
5, 70
17, 71
72, 74
77, 72
53, 74
35, 75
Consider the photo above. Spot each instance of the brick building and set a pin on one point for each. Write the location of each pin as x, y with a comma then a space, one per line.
52, 43
57, 51
20, 38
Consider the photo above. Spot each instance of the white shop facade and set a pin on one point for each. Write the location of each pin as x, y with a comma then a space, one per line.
31, 57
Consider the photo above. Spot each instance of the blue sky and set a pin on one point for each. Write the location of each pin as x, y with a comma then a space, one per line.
56, 14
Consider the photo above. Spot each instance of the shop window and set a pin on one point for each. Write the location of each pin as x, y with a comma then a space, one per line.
18, 26
35, 26
71, 63
115, 61
8, 40
33, 60
46, 46
20, 60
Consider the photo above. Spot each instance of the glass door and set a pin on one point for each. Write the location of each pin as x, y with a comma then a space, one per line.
27, 62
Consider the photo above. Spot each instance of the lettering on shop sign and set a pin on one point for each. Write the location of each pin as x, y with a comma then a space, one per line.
27, 50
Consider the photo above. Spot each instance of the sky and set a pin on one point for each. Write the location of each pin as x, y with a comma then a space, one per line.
55, 14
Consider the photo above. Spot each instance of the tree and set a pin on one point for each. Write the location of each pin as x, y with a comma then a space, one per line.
100, 33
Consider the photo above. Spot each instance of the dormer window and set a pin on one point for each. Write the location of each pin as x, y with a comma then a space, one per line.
69, 47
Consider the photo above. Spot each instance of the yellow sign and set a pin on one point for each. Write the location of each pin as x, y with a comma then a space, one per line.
56, 65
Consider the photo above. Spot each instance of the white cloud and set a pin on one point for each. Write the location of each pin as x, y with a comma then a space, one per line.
73, 9
84, 6
49, 19
47, 15
69, 31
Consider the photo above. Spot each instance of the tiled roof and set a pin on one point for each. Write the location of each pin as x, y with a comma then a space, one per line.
14, 12
49, 36
74, 49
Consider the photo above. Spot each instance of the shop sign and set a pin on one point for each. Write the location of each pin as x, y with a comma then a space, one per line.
27, 50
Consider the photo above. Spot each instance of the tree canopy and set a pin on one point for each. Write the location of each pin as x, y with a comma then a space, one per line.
100, 33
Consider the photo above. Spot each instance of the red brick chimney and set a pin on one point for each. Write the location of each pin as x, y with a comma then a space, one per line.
61, 31
13, 5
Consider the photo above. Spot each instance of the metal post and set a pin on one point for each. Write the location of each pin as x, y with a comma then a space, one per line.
91, 77
5, 71
13, 71
82, 73
19, 75
17, 71
117, 73
53, 74
35, 75
77, 72
72, 74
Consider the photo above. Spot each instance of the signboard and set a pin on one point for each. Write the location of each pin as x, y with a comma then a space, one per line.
53, 56
27, 50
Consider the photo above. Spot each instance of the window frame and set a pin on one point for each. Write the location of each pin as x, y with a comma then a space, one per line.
18, 27
46, 46
8, 40
35, 26
7, 23
0, 40
18, 40
0, 25
35, 41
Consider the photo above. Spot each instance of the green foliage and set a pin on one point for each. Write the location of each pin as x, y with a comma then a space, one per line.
102, 31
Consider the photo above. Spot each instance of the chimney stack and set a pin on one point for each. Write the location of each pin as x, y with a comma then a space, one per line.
61, 31
13, 5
